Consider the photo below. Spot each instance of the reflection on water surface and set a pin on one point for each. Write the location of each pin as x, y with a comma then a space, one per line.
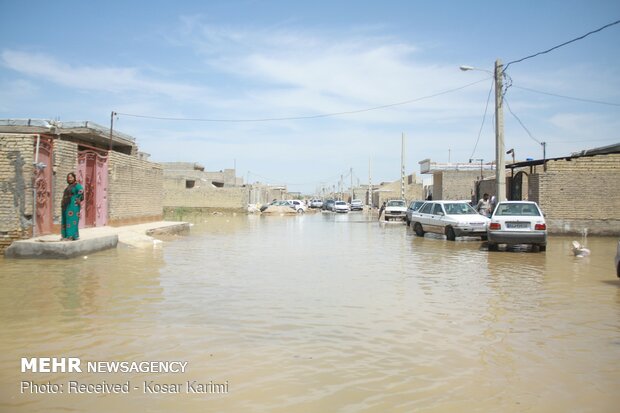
322, 313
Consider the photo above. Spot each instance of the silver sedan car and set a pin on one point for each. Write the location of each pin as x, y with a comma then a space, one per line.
517, 222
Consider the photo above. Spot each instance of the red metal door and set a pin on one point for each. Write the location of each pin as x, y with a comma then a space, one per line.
93, 175
101, 191
81, 178
43, 186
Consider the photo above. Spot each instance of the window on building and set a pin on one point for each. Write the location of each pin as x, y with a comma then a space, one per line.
189, 183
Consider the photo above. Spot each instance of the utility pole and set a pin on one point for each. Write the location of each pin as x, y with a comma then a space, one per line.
369, 186
352, 192
500, 165
544, 145
402, 167
111, 128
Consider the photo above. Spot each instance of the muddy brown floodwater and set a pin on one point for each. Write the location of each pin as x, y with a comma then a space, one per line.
319, 313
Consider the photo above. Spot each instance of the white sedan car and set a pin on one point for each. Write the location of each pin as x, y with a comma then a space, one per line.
395, 209
452, 218
341, 206
517, 222
299, 206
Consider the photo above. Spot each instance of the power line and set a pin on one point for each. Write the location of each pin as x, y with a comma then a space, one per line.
600, 102
325, 115
588, 140
483, 119
521, 123
561, 45
332, 179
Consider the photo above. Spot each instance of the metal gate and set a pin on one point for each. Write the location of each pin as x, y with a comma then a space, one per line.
516, 187
44, 219
92, 173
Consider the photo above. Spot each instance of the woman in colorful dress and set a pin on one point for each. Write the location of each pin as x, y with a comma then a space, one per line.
71, 199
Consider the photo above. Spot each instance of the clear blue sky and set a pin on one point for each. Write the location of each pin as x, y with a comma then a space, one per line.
240, 60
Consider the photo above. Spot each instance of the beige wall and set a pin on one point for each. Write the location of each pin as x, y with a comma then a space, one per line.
413, 191
176, 195
455, 185
16, 173
580, 193
135, 189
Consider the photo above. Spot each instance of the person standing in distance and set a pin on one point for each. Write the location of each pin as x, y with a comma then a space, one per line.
71, 200
484, 206
381, 210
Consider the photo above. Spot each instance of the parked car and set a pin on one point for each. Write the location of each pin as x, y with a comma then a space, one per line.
357, 205
341, 206
452, 218
328, 205
517, 222
395, 209
413, 206
299, 206
618, 260
277, 203
316, 203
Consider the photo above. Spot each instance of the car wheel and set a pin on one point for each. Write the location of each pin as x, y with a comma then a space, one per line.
483, 237
408, 222
542, 248
450, 234
492, 247
300, 211
418, 229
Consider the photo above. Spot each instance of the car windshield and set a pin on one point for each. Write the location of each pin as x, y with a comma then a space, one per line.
415, 205
340, 203
459, 208
356, 201
515, 209
396, 203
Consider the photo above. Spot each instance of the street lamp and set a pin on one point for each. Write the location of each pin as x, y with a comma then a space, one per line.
500, 164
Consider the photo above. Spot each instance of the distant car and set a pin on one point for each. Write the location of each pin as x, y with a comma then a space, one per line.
517, 222
316, 203
395, 209
618, 260
341, 206
413, 206
357, 205
299, 206
277, 203
452, 218
328, 205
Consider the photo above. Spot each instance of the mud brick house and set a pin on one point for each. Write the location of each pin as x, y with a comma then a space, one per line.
578, 192
188, 185
121, 185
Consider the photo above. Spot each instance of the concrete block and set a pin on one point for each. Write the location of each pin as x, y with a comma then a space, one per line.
60, 249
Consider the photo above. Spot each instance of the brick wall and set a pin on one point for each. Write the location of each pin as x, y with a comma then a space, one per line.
581, 193
413, 191
455, 185
16, 173
176, 195
533, 192
135, 189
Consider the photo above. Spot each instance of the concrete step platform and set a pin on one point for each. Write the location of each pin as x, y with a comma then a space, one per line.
93, 240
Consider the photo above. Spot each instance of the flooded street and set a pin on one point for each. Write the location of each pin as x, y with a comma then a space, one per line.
321, 313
